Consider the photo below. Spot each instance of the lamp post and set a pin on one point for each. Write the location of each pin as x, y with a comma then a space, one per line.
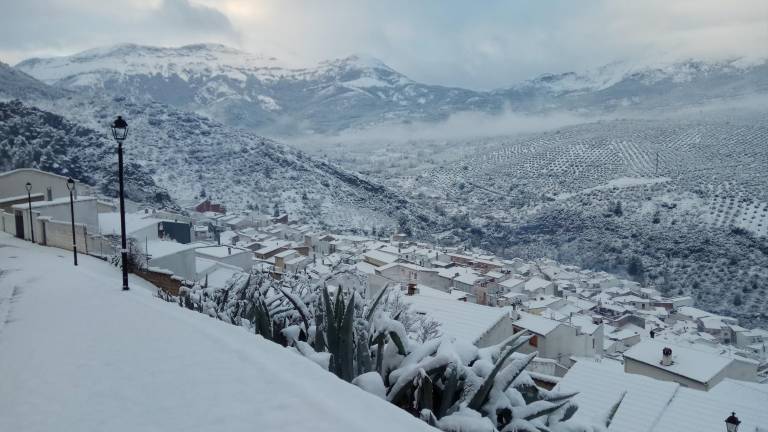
119, 133
28, 186
732, 423
71, 187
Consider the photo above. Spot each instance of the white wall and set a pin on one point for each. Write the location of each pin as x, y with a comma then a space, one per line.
640, 368
502, 330
12, 184
181, 263
86, 212
239, 258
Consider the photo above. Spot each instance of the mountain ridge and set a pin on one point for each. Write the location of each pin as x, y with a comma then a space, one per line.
356, 92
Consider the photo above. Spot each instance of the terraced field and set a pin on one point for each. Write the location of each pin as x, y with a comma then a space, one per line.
688, 198
577, 158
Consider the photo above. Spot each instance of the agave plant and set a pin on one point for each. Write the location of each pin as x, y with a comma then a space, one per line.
481, 391
449, 385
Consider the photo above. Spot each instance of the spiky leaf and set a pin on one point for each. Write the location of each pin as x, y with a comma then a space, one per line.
481, 395
375, 303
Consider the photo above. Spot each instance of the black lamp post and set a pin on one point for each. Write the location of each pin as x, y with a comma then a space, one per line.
119, 133
29, 200
71, 187
732, 423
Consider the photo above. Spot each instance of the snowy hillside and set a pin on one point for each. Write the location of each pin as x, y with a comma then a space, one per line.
33, 138
79, 354
15, 84
254, 91
189, 155
592, 195
193, 156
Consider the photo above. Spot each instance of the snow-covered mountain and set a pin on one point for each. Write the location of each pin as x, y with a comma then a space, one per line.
178, 155
259, 92
242, 89
15, 84
623, 85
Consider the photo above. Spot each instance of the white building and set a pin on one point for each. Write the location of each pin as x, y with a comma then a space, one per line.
649, 405
686, 366
560, 341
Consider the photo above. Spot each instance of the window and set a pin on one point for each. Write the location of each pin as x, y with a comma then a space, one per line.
48, 194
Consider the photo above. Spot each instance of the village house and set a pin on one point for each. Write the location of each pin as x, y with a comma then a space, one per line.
378, 258
406, 273
206, 205
145, 227
270, 248
475, 324
172, 257
686, 366
557, 340
650, 405
231, 255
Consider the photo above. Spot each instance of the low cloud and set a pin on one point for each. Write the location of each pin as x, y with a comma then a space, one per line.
459, 126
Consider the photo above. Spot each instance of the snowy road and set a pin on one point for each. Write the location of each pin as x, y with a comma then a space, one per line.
78, 354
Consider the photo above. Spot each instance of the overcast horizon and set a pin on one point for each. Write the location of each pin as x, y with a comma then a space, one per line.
447, 43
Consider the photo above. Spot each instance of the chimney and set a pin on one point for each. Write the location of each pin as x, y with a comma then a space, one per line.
666, 357
411, 289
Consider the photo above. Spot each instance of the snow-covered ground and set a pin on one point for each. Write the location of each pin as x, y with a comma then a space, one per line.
79, 354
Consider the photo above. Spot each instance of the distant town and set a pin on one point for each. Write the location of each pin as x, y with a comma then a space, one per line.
576, 316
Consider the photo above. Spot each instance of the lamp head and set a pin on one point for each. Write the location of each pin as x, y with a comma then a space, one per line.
732, 423
119, 129
70, 184
28, 186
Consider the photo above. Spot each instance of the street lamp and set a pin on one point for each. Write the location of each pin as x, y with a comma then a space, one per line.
732, 423
71, 187
119, 133
29, 200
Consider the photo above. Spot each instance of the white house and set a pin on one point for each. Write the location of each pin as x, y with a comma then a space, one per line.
467, 322
538, 287
685, 365
46, 185
558, 340
241, 258
173, 257
649, 405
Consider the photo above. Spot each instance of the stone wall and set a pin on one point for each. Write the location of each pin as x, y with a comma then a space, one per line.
59, 234
163, 280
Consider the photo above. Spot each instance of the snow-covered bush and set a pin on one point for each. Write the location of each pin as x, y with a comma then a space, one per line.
451, 385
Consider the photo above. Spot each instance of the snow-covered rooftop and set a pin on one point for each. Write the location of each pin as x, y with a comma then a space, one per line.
466, 322
161, 248
220, 251
536, 324
109, 223
381, 256
53, 202
694, 364
601, 385
535, 283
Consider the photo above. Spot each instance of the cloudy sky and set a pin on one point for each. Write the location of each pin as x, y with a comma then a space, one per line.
477, 44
